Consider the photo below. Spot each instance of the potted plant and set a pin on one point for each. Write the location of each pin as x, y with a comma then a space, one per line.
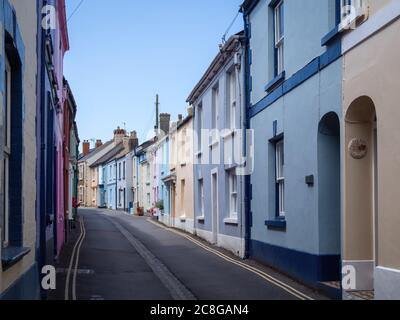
140, 211
160, 206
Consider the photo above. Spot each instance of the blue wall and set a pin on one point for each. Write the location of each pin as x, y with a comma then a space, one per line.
311, 88
163, 190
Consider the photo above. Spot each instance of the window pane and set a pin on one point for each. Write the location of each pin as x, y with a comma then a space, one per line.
281, 198
281, 21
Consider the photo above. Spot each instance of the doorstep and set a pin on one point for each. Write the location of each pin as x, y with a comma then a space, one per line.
332, 289
359, 295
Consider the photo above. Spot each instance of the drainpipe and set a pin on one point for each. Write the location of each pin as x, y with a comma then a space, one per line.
116, 185
246, 126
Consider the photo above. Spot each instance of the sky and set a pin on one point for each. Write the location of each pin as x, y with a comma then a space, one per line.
123, 53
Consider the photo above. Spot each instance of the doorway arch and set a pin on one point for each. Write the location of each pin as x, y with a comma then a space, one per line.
329, 195
360, 197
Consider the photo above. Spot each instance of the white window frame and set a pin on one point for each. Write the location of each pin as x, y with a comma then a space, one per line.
279, 38
233, 195
183, 135
215, 107
182, 204
81, 200
124, 170
81, 172
201, 196
200, 127
280, 177
231, 96
350, 11
148, 174
7, 155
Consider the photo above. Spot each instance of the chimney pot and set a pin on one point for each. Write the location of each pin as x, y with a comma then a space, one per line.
165, 119
99, 143
86, 148
119, 135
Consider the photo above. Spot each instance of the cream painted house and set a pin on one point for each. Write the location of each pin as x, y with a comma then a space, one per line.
371, 148
18, 56
144, 179
88, 171
88, 176
181, 174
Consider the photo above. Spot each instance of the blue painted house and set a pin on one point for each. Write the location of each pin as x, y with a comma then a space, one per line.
162, 159
294, 74
219, 114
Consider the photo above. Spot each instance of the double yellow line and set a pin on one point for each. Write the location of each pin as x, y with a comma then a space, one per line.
76, 249
243, 265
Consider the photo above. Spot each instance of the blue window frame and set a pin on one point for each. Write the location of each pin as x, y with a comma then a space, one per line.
280, 178
279, 36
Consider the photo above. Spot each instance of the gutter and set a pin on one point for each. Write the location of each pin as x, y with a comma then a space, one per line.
247, 187
218, 62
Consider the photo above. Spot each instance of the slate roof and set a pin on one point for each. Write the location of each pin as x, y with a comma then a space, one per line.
111, 155
145, 145
93, 152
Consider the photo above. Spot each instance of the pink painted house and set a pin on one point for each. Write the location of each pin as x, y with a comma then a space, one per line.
61, 46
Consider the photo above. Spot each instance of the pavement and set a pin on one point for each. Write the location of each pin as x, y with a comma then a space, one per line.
124, 257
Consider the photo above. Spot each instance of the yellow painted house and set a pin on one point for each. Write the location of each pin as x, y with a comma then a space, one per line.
371, 152
181, 170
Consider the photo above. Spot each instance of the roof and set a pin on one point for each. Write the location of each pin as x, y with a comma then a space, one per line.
248, 5
218, 63
93, 152
111, 155
145, 145
184, 121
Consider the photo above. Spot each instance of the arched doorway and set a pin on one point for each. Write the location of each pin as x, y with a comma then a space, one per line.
329, 199
360, 197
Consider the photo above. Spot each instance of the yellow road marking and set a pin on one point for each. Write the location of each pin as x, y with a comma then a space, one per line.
72, 261
77, 260
260, 273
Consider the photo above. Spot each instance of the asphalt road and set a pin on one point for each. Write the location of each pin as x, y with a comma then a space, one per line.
123, 257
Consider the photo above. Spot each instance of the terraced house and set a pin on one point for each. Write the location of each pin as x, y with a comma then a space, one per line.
38, 167
18, 56
294, 101
371, 160
219, 115
320, 98
179, 182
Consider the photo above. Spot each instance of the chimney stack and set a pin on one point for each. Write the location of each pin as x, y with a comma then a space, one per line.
180, 118
133, 141
165, 119
119, 135
99, 143
86, 148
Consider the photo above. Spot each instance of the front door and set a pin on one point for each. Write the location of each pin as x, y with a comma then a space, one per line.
215, 213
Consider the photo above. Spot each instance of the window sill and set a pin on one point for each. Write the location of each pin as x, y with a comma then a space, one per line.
214, 144
229, 133
275, 82
231, 221
231, 166
201, 219
12, 255
277, 224
331, 35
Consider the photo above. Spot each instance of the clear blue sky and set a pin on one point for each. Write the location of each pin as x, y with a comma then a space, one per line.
124, 52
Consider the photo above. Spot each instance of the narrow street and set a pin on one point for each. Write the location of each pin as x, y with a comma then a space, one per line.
122, 257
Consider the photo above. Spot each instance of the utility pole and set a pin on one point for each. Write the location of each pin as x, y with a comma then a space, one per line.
157, 127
